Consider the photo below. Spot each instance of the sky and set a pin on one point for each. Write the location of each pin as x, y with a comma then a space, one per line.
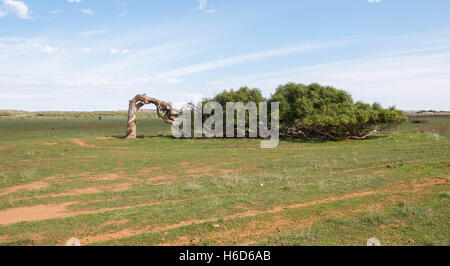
86, 55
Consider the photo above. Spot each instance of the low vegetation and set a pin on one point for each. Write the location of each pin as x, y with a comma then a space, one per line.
316, 112
325, 113
61, 179
12, 114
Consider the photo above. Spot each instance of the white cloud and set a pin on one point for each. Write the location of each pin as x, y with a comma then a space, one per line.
92, 32
202, 4
412, 81
56, 11
13, 96
174, 81
74, 1
119, 51
114, 51
249, 57
11, 46
188, 97
49, 49
18, 7
33, 71
86, 50
374, 1
87, 11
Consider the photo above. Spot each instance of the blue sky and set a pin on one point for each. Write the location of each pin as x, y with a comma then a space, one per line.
98, 54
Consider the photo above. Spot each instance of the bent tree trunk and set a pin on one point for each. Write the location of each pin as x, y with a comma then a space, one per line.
164, 110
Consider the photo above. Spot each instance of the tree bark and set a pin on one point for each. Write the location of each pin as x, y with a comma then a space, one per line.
168, 113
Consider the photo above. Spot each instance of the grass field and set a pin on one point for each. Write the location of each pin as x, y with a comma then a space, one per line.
73, 178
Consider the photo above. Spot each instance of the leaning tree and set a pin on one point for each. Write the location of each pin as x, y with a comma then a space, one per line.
164, 110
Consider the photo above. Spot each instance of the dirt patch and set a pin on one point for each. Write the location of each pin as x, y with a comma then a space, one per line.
161, 183
382, 171
128, 233
50, 143
112, 235
300, 205
33, 213
240, 207
105, 177
258, 230
5, 147
147, 171
266, 230
81, 143
31, 186
185, 164
189, 171
252, 213
46, 212
247, 231
91, 190
200, 170
432, 181
103, 138
160, 178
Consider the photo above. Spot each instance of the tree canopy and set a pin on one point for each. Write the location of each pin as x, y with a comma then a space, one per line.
320, 112
244, 95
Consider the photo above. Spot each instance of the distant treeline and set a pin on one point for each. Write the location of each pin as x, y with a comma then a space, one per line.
428, 113
14, 114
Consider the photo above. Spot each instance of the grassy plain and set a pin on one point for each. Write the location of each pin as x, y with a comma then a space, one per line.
74, 178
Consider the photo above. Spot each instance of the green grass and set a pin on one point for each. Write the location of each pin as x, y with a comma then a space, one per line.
424, 222
161, 190
72, 115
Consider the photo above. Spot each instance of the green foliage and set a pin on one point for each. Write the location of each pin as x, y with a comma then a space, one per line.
323, 112
298, 102
244, 95
318, 112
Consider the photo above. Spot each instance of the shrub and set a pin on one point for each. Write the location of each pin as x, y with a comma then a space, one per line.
243, 95
325, 113
316, 112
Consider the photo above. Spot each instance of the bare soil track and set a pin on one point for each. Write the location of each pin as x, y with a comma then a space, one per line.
251, 213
